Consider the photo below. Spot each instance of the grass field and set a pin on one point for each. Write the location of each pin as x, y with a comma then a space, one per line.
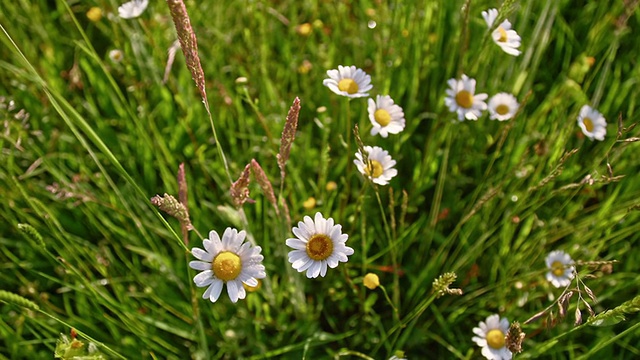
87, 141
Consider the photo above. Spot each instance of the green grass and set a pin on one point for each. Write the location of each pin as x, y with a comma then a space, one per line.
487, 200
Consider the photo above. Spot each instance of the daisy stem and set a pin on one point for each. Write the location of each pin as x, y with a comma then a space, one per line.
348, 132
437, 197
197, 319
363, 227
464, 42
394, 257
345, 198
386, 296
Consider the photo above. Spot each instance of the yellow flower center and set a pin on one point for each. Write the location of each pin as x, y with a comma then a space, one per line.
382, 117
116, 56
503, 34
588, 124
374, 169
319, 247
226, 266
502, 109
348, 85
557, 268
495, 339
464, 99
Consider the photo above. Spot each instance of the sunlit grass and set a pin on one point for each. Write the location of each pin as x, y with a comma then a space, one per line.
486, 200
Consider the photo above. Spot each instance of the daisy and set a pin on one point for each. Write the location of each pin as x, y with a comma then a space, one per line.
561, 269
386, 117
592, 123
380, 165
502, 106
132, 9
491, 337
348, 81
461, 99
318, 243
116, 55
228, 261
503, 35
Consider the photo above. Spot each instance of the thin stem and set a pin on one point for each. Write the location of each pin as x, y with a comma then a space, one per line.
394, 257
197, 319
218, 146
386, 296
347, 191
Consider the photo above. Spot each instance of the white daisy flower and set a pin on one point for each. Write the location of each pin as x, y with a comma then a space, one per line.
503, 35
502, 106
462, 100
116, 55
228, 261
491, 337
132, 9
592, 123
386, 117
561, 269
380, 165
348, 81
318, 243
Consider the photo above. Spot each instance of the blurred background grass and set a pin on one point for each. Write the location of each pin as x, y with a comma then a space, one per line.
102, 138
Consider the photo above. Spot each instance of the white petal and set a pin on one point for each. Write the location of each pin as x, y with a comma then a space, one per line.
251, 282
323, 268
296, 244
132, 9
479, 332
304, 264
232, 290
216, 290
333, 74
201, 254
504, 325
320, 222
314, 270
333, 261
200, 265
297, 255
203, 279
242, 293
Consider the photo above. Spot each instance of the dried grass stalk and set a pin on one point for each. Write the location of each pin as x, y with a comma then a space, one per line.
240, 188
173, 207
189, 45
264, 183
288, 135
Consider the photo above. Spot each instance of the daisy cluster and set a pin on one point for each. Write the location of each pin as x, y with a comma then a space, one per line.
228, 260
385, 115
491, 335
462, 99
318, 243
